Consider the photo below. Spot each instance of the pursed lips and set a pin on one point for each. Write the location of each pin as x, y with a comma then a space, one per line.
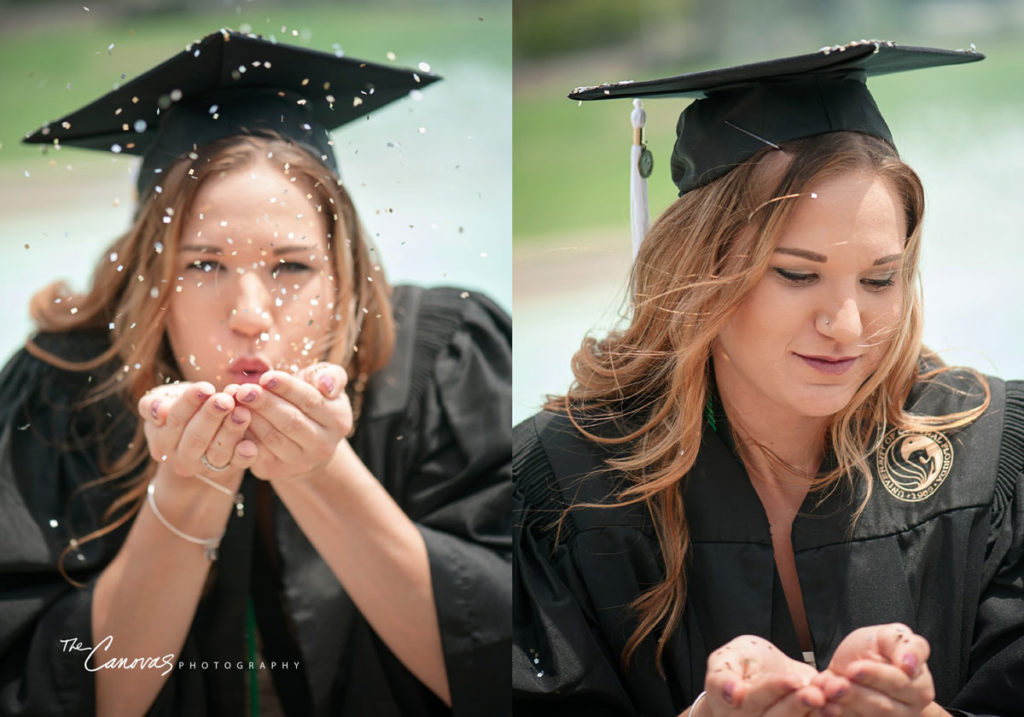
248, 369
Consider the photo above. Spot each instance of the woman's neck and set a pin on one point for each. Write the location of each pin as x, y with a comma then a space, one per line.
777, 446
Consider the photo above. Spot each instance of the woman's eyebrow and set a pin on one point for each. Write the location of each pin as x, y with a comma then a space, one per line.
207, 249
293, 247
821, 258
888, 259
803, 253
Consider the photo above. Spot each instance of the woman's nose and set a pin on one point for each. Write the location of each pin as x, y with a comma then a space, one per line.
250, 308
842, 322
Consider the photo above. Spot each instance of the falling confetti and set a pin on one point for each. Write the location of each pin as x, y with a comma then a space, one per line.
424, 66
391, 56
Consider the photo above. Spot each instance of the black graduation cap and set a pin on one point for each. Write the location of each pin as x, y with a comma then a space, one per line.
742, 109
227, 84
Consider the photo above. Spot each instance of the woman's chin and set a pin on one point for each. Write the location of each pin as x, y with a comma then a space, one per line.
825, 402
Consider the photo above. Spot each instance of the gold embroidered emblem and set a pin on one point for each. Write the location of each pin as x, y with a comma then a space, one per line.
912, 466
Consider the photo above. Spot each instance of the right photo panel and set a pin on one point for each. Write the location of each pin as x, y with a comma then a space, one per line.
769, 444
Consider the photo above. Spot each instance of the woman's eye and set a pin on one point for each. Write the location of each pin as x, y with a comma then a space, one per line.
205, 265
289, 267
795, 277
880, 283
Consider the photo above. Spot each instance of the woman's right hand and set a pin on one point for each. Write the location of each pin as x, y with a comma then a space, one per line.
749, 676
185, 421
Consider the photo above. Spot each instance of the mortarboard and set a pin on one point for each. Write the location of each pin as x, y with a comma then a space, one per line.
740, 110
227, 84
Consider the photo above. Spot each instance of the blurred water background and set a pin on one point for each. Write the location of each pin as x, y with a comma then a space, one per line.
961, 128
431, 177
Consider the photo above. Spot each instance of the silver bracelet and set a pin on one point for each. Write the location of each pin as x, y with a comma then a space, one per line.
238, 497
693, 707
210, 544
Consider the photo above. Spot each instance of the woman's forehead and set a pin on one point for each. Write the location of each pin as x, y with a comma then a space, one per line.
256, 205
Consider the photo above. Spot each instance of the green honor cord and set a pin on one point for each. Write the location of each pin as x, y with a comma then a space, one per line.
250, 630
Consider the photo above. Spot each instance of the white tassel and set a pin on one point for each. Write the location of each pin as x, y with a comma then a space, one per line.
638, 217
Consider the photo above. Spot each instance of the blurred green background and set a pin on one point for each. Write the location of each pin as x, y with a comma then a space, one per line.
961, 128
430, 175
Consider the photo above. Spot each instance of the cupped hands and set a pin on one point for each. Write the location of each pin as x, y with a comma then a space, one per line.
879, 670
286, 427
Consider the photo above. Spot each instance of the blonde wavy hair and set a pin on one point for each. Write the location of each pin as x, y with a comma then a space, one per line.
647, 385
133, 293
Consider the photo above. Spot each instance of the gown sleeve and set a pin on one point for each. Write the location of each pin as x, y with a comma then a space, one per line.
46, 455
561, 664
456, 485
996, 682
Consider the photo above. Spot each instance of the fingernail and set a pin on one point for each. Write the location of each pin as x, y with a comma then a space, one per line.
271, 383
237, 418
327, 382
246, 451
154, 407
220, 406
859, 677
807, 701
250, 396
840, 693
727, 692
910, 662
202, 393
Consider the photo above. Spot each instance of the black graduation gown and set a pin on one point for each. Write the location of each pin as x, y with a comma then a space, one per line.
435, 430
949, 564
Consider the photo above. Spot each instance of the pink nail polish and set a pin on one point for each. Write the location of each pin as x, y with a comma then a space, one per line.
728, 692
910, 662
328, 383
272, 383
153, 409
237, 419
219, 406
250, 396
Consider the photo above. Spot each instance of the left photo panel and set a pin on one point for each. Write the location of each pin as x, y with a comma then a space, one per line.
255, 404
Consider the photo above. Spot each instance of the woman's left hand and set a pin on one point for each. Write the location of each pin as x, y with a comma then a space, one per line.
879, 670
298, 420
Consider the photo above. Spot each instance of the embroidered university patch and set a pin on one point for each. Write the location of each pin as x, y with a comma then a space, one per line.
912, 466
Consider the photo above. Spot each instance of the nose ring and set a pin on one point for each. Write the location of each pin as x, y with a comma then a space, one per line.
827, 322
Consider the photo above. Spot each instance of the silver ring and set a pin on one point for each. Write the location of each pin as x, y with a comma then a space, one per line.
827, 322
212, 467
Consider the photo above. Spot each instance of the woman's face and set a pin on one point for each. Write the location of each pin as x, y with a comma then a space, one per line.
818, 322
255, 285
